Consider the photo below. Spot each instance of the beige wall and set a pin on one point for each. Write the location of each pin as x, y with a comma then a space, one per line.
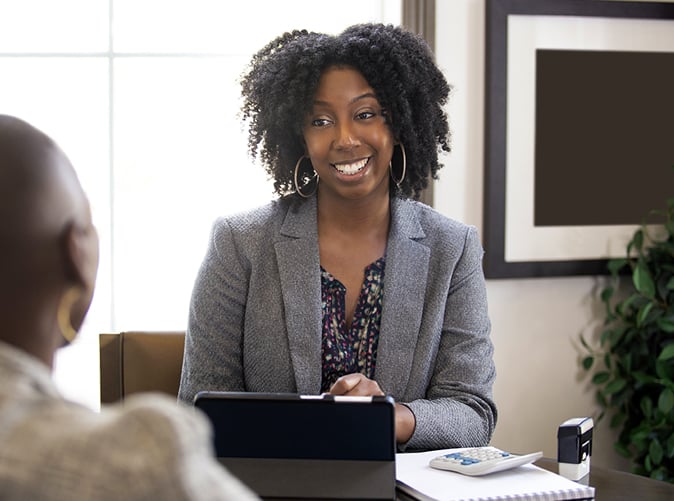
535, 322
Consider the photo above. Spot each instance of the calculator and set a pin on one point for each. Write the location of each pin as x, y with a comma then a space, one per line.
481, 460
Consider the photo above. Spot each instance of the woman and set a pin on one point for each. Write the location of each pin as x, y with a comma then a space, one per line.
52, 449
345, 285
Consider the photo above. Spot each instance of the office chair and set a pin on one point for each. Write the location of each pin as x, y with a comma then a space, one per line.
137, 361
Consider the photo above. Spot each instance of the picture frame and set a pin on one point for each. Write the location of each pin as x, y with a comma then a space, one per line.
519, 32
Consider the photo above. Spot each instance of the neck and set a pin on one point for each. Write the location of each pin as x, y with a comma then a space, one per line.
367, 216
29, 331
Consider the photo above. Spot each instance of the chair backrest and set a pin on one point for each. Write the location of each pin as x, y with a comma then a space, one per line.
134, 362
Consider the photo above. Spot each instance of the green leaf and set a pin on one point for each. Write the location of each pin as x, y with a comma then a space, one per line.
665, 325
615, 386
607, 294
646, 406
626, 362
643, 281
643, 313
616, 337
662, 370
642, 377
659, 473
670, 284
585, 344
638, 239
639, 437
630, 334
618, 400
667, 353
666, 401
666, 248
670, 446
587, 362
617, 419
627, 303
655, 451
600, 377
614, 267
604, 336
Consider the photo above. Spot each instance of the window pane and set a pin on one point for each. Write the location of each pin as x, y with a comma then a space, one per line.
180, 161
54, 26
214, 26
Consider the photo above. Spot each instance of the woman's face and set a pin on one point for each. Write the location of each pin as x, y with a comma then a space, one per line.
347, 137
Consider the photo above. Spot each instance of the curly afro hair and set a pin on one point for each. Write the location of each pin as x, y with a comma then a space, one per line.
282, 78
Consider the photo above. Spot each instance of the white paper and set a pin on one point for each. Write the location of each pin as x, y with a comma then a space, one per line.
527, 482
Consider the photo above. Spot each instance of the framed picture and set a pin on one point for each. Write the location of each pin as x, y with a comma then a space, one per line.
579, 131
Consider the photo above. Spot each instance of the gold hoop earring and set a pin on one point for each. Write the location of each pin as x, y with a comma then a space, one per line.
390, 166
297, 185
68, 300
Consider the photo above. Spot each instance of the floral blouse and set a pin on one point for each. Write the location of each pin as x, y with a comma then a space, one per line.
351, 350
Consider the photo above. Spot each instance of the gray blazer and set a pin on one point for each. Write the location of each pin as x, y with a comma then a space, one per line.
255, 317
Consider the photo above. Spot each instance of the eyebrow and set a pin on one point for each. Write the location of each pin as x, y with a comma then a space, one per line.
355, 99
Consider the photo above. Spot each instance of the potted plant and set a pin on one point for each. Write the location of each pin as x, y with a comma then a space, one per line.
633, 366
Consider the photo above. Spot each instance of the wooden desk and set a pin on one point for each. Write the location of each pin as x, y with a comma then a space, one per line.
614, 485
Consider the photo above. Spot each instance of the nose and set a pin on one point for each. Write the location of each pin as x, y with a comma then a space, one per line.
345, 137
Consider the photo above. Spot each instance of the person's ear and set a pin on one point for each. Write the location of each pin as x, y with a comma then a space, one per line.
81, 254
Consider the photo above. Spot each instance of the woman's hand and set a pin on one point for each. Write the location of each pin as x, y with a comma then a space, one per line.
357, 384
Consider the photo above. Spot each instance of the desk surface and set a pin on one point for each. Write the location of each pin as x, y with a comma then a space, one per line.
614, 485
610, 485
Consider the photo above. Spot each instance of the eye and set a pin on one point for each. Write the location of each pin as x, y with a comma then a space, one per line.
365, 115
320, 122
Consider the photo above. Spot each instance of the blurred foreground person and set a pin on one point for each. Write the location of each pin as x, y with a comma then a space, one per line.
50, 448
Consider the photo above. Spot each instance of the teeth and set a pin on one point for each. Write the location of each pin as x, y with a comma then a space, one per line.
350, 169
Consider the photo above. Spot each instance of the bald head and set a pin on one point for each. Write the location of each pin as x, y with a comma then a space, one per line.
47, 240
39, 191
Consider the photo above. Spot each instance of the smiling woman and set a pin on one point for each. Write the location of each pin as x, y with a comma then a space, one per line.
346, 284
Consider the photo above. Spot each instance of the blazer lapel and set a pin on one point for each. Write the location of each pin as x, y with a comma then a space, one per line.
299, 269
404, 292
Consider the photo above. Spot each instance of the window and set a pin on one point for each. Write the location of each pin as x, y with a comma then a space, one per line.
143, 97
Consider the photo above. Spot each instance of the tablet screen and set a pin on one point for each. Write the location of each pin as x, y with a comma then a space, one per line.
255, 425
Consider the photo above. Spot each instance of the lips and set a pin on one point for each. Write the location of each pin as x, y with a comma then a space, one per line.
352, 168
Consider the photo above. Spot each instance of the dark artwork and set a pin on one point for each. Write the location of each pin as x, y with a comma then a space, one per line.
604, 136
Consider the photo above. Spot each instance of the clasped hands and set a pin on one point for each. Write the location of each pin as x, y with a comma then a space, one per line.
357, 384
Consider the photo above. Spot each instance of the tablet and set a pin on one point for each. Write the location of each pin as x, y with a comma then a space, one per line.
305, 446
